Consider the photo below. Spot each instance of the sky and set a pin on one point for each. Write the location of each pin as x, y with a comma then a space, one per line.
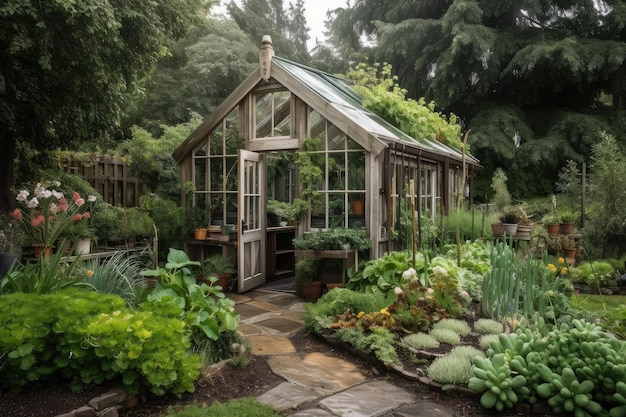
315, 14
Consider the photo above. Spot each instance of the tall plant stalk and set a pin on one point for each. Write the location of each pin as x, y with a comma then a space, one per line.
501, 286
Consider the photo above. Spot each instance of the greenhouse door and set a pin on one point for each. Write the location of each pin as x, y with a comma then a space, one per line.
251, 209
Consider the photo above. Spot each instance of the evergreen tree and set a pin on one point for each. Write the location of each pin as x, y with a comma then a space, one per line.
535, 80
287, 27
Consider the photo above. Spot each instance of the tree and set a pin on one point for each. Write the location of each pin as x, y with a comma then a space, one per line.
200, 71
66, 66
268, 17
535, 80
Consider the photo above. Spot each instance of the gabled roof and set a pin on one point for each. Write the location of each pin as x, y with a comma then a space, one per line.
336, 101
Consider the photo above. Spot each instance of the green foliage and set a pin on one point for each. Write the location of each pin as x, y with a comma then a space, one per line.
42, 276
240, 407
382, 94
217, 264
337, 302
501, 195
310, 163
334, 239
593, 273
383, 274
379, 342
306, 271
89, 338
204, 308
169, 219
606, 219
501, 290
119, 274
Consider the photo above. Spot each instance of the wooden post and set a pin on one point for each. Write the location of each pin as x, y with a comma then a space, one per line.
412, 194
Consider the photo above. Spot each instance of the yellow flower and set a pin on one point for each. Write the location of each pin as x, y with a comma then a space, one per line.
564, 270
561, 260
385, 312
361, 314
551, 267
89, 273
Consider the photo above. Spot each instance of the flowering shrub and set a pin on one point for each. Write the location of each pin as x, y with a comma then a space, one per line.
45, 214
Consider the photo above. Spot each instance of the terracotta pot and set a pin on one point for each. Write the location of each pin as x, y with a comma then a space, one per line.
358, 207
223, 280
570, 253
312, 290
200, 234
553, 229
566, 228
497, 228
38, 249
334, 285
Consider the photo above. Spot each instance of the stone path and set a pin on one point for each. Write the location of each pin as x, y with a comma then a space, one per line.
317, 385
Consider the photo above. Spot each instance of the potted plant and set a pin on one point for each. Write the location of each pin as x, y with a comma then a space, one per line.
280, 212
570, 246
509, 221
334, 239
307, 284
196, 223
12, 237
551, 222
567, 220
222, 268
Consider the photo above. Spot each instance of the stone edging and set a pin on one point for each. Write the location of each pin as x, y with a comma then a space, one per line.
107, 404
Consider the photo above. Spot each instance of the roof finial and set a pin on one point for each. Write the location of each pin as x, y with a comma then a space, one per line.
265, 57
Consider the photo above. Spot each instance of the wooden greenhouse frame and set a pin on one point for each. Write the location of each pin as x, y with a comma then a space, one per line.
274, 112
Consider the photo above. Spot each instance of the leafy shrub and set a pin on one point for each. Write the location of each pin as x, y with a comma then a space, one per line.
379, 342
383, 274
88, 338
204, 308
420, 341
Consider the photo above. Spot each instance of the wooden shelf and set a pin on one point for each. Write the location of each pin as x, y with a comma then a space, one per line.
280, 260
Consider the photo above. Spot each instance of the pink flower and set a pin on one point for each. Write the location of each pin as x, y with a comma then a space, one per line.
63, 204
86, 215
23, 195
17, 214
37, 220
33, 203
77, 217
78, 199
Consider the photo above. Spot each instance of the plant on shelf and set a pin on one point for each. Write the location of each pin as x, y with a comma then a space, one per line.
195, 218
279, 211
334, 239
509, 217
310, 165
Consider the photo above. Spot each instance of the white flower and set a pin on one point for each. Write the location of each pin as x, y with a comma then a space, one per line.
57, 194
23, 195
409, 275
397, 291
430, 291
54, 209
33, 203
46, 194
39, 190
91, 198
440, 272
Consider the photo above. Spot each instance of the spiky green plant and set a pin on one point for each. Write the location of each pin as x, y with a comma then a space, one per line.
458, 326
420, 341
119, 274
446, 336
501, 289
488, 326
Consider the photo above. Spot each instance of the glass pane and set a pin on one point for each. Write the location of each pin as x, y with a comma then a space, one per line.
317, 125
282, 113
231, 209
263, 115
201, 151
217, 174
216, 142
336, 139
336, 171
231, 174
352, 144
200, 174
356, 170
216, 208
337, 210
